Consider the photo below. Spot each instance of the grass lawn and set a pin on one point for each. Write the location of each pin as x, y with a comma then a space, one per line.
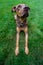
8, 34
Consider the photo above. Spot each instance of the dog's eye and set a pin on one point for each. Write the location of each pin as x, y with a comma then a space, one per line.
19, 6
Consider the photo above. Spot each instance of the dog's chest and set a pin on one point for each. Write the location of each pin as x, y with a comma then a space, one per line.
21, 22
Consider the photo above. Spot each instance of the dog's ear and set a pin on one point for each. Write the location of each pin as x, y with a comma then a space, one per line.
14, 9
28, 8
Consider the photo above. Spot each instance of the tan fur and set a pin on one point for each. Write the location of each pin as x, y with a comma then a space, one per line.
25, 29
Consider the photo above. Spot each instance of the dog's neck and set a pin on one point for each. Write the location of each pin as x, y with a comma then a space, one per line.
21, 19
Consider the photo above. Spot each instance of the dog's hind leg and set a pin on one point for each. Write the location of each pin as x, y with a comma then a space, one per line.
17, 42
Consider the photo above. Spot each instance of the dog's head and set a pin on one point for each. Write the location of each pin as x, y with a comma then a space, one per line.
21, 10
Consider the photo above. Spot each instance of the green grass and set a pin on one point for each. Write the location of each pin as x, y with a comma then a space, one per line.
8, 34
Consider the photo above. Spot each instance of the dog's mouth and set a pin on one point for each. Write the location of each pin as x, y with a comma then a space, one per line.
25, 15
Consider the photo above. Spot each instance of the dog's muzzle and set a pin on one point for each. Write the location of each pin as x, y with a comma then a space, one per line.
24, 15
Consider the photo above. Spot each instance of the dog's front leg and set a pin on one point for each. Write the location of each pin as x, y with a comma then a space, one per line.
17, 42
26, 41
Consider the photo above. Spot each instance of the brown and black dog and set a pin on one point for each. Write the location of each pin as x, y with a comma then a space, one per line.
22, 12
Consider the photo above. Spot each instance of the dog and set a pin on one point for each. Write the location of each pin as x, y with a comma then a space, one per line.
22, 12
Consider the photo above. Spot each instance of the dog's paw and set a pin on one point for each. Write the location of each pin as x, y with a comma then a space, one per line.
16, 51
26, 50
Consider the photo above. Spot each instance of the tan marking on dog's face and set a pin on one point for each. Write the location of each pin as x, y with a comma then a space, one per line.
22, 10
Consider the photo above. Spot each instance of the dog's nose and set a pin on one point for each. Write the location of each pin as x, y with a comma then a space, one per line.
19, 11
